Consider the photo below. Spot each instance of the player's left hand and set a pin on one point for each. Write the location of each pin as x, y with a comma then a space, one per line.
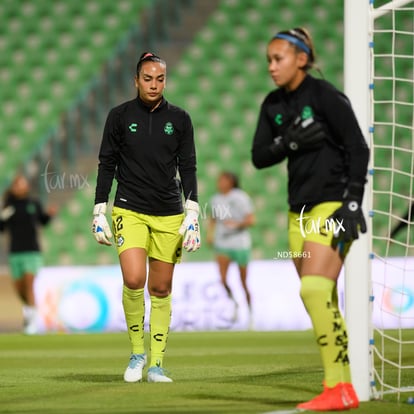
349, 220
190, 228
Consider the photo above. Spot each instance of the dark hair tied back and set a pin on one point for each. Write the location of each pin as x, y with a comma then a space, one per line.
148, 57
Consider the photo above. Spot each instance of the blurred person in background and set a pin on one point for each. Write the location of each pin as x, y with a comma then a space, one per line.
311, 124
228, 232
145, 143
20, 217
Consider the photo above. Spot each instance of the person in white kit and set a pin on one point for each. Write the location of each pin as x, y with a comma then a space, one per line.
228, 231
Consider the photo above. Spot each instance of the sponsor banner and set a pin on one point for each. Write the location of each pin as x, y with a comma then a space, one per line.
393, 293
89, 298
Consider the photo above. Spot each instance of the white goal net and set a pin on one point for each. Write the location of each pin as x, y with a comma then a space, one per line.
392, 158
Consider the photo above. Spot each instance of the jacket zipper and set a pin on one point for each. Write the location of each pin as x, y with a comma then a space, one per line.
150, 124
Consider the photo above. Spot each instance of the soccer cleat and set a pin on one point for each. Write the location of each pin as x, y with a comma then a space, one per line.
157, 374
339, 398
133, 373
251, 321
30, 320
235, 311
30, 329
352, 395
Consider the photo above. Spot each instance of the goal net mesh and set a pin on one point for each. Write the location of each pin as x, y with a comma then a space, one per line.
392, 157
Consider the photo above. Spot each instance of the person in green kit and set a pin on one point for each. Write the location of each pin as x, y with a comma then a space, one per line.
232, 215
21, 216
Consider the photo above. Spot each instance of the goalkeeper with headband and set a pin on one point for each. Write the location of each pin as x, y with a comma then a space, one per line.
311, 124
146, 142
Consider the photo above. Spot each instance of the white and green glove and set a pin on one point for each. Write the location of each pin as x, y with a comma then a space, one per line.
190, 227
100, 227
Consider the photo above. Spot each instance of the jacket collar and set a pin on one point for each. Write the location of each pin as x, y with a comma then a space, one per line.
144, 106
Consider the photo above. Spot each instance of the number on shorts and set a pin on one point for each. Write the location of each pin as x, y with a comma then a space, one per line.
118, 223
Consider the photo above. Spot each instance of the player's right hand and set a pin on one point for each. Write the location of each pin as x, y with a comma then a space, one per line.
6, 213
100, 226
304, 134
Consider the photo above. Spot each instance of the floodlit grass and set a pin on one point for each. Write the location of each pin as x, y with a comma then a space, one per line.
220, 372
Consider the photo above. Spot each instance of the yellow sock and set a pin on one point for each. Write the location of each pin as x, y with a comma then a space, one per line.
346, 373
134, 309
319, 297
159, 328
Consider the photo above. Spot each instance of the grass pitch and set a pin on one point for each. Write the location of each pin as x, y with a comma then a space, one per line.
220, 372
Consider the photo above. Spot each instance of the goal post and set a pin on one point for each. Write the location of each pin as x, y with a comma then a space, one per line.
386, 119
357, 265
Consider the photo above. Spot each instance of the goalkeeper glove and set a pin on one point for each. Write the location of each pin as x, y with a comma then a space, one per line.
302, 135
190, 227
349, 216
100, 226
6, 213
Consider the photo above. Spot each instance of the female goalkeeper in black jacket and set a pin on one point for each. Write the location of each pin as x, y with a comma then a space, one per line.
311, 124
146, 142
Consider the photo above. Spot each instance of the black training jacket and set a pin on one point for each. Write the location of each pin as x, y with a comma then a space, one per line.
321, 174
144, 150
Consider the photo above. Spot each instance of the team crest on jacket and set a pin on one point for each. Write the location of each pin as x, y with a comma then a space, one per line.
307, 112
169, 128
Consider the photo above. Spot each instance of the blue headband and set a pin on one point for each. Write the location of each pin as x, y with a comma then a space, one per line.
292, 39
